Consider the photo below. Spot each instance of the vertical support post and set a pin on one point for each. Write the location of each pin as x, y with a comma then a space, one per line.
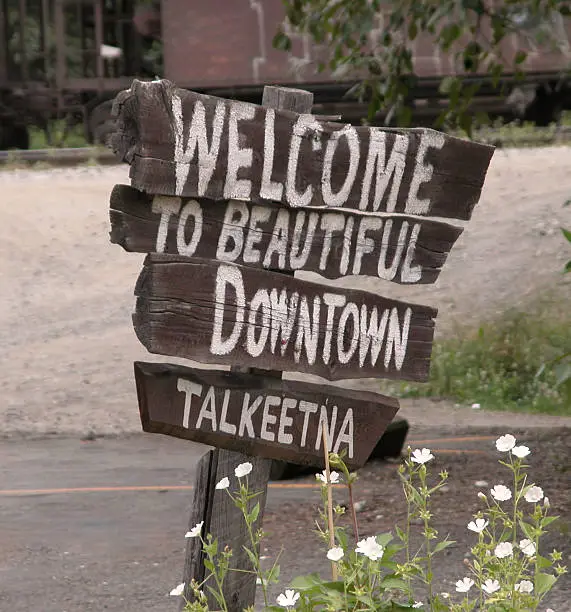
221, 518
3, 43
59, 27
99, 41
23, 55
45, 25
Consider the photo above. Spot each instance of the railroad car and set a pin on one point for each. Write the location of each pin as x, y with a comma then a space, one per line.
67, 59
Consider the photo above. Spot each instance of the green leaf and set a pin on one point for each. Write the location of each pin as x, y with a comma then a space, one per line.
543, 562
543, 583
281, 41
391, 582
566, 233
448, 84
253, 516
442, 545
520, 57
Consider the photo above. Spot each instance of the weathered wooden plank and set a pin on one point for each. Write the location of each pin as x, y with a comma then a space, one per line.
225, 521
261, 415
232, 315
182, 143
332, 243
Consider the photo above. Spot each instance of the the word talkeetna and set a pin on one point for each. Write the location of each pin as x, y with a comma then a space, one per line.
227, 196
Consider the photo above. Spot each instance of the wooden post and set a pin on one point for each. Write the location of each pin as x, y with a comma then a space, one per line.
221, 517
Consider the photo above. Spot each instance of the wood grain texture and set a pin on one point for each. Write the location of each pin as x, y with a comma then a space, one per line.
415, 171
261, 415
338, 244
225, 521
222, 517
232, 315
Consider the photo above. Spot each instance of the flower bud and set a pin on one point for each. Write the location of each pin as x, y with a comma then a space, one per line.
546, 503
482, 496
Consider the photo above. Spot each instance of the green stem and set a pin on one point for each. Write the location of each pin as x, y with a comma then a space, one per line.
422, 474
353, 512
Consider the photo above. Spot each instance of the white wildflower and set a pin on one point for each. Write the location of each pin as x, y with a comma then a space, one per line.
421, 456
287, 599
243, 469
370, 548
334, 554
505, 443
445, 595
503, 549
525, 586
464, 585
417, 604
527, 547
177, 591
534, 494
501, 493
490, 586
520, 451
478, 525
333, 477
224, 483
195, 531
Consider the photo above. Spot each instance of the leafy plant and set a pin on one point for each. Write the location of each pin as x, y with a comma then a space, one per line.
373, 41
508, 571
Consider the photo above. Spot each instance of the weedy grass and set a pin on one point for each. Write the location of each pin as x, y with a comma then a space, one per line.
75, 137
499, 364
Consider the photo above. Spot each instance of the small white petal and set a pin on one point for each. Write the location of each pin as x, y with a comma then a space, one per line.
336, 553
505, 443
503, 549
370, 548
490, 586
520, 451
287, 599
501, 493
464, 585
333, 477
421, 456
195, 531
243, 469
177, 591
445, 595
223, 484
534, 494
527, 547
478, 525
417, 604
525, 586
476, 406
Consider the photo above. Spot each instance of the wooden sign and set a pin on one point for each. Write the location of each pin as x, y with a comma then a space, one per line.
230, 314
186, 144
260, 415
331, 243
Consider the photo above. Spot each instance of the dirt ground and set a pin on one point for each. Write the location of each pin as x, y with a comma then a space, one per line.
67, 293
68, 345
379, 494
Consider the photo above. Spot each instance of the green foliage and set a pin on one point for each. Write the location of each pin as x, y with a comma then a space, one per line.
500, 365
508, 570
472, 31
